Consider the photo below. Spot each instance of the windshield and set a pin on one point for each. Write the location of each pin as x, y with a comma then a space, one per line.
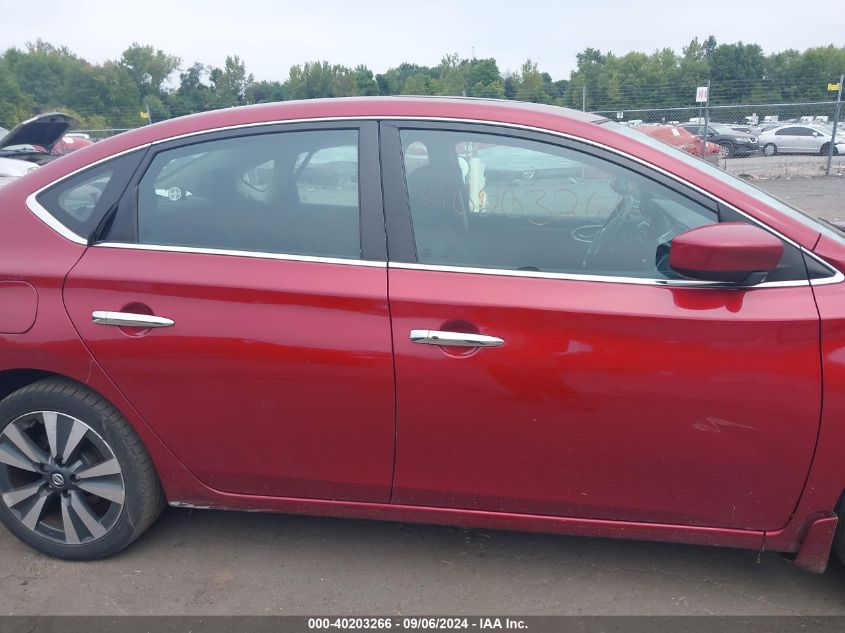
733, 181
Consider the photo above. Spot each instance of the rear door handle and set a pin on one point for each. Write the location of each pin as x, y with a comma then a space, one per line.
127, 319
454, 339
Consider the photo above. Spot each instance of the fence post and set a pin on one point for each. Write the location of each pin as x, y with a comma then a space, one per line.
584, 97
832, 147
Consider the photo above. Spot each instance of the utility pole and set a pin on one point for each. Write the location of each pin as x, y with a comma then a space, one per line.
832, 147
706, 120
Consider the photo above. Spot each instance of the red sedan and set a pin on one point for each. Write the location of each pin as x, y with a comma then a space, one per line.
682, 139
437, 310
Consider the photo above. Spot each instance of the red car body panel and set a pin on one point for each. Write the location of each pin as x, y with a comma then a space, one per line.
684, 415
607, 401
255, 388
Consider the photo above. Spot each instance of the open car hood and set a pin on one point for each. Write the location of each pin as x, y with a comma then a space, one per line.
44, 130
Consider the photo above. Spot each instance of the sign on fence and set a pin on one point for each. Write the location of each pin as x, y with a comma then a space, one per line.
701, 94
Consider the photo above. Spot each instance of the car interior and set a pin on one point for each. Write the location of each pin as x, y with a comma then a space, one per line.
538, 211
292, 193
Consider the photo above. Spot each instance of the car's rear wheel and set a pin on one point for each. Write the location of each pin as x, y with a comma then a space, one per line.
75, 480
727, 150
826, 148
769, 149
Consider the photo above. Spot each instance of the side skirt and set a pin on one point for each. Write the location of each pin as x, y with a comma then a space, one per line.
693, 535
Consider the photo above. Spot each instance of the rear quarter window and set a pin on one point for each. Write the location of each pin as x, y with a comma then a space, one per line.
80, 201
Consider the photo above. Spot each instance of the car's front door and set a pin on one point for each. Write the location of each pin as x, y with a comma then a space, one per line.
548, 361
260, 253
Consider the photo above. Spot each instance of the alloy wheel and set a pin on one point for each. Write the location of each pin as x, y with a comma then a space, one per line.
59, 478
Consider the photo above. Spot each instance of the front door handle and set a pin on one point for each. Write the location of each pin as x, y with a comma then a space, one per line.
127, 319
454, 339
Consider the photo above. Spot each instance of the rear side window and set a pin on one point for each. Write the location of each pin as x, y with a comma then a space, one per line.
81, 201
292, 193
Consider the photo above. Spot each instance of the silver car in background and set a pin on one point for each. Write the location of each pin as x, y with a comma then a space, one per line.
12, 169
793, 138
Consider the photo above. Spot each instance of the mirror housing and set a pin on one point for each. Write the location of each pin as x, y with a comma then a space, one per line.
732, 252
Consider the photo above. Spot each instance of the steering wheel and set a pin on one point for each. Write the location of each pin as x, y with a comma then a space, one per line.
611, 231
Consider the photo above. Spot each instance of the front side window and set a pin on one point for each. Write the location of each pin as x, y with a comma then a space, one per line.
725, 178
287, 192
490, 201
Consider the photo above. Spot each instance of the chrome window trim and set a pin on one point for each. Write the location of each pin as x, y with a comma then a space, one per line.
640, 281
42, 213
236, 253
50, 220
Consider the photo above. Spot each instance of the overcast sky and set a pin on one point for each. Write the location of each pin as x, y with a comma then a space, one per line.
271, 36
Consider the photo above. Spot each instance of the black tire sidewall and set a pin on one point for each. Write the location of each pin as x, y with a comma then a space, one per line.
30, 400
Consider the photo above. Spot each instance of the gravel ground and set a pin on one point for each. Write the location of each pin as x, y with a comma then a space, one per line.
787, 166
203, 562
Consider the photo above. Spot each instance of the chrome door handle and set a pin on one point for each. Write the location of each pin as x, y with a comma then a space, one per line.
454, 339
127, 319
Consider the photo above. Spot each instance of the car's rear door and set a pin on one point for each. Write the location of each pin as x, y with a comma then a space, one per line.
239, 301
549, 362
787, 139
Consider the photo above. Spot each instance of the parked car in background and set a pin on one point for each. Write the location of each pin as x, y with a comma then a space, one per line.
35, 139
732, 142
800, 139
12, 169
69, 143
544, 321
683, 140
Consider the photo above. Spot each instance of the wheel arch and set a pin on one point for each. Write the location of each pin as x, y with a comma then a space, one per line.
177, 481
13, 379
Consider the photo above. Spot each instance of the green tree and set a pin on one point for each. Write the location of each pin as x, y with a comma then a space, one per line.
736, 70
265, 92
194, 94
15, 106
530, 85
230, 83
589, 74
365, 82
148, 67
418, 84
451, 76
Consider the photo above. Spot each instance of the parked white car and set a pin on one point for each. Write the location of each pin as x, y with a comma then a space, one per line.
12, 168
800, 139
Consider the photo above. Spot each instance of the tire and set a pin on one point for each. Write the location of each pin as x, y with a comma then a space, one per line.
839, 535
826, 148
727, 150
770, 149
99, 487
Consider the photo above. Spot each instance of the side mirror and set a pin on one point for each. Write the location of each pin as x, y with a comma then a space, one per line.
733, 252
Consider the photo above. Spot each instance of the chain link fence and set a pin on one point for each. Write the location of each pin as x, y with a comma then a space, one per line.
772, 140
